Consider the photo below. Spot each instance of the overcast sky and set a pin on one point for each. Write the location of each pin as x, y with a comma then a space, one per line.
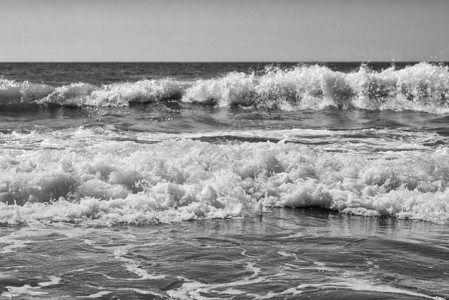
224, 30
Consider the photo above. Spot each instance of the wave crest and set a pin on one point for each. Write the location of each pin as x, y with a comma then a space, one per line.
421, 87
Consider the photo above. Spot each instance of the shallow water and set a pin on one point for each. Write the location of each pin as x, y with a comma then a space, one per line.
285, 254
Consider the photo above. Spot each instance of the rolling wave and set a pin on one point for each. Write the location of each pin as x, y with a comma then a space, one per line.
421, 87
110, 181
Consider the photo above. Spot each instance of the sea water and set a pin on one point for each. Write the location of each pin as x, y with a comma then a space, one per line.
224, 180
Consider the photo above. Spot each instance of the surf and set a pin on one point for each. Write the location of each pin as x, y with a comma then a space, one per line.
117, 180
421, 87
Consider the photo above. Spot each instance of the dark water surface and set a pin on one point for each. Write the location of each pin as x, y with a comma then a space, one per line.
100, 73
286, 254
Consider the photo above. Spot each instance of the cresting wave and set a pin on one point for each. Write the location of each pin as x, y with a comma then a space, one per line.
107, 182
421, 87
84, 94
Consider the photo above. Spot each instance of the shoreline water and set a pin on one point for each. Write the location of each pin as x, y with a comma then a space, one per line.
286, 254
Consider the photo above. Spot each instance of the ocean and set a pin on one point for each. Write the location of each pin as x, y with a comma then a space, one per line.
224, 180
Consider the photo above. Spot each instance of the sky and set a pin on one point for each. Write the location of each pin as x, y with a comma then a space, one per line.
224, 30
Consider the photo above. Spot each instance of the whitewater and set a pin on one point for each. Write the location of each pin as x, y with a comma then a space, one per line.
421, 87
231, 180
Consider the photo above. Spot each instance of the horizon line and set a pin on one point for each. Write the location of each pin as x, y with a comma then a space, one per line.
242, 61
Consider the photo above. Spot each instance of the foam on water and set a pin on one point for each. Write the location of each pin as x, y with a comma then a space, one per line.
194, 289
16, 291
421, 87
75, 94
108, 181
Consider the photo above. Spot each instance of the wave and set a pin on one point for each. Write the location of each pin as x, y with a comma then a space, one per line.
13, 92
111, 182
84, 94
421, 87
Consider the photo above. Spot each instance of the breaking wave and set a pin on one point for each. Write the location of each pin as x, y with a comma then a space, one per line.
109, 182
85, 94
421, 87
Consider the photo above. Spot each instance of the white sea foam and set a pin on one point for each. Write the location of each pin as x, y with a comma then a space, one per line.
117, 94
26, 289
75, 94
109, 182
13, 92
234, 88
421, 87
122, 94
